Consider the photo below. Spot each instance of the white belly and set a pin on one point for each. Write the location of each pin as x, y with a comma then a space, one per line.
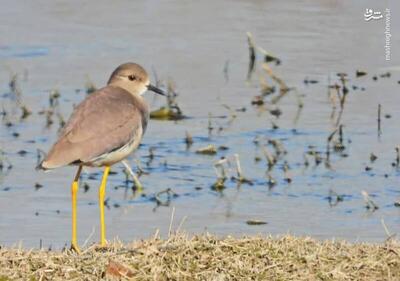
111, 158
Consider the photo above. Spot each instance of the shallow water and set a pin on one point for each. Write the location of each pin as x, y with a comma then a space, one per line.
55, 45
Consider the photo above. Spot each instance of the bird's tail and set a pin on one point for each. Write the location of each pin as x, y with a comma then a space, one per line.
42, 166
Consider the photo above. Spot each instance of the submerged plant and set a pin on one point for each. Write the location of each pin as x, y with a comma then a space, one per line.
171, 111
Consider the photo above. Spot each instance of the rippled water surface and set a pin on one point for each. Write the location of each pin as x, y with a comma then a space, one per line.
202, 47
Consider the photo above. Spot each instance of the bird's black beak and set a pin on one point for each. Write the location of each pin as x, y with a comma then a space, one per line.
155, 90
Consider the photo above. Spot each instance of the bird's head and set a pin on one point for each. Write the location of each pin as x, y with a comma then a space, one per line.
133, 78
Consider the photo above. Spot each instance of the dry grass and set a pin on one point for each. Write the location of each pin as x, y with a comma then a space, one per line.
209, 258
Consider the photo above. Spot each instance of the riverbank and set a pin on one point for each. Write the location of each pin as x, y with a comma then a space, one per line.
209, 258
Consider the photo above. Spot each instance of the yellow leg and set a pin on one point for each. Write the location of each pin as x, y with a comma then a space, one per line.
74, 191
102, 194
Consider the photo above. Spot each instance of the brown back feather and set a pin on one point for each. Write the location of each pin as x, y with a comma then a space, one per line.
104, 121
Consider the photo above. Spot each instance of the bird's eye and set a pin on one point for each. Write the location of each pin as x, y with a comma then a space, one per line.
132, 77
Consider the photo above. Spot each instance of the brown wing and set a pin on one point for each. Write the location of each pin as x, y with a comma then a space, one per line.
103, 122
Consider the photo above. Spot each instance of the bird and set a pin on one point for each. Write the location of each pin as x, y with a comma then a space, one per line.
105, 128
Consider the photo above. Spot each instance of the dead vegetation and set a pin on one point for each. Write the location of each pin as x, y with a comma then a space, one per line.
207, 257
171, 111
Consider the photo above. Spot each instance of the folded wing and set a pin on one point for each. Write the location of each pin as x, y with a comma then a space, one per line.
105, 121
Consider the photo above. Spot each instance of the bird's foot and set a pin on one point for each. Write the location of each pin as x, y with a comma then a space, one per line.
75, 248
